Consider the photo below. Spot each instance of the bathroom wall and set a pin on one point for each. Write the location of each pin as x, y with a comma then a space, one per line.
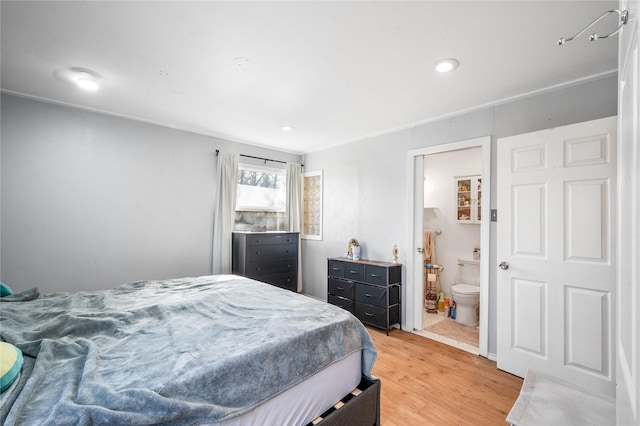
457, 239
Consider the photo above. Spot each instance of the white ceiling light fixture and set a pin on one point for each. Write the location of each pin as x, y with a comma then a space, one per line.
447, 65
81, 77
87, 82
286, 128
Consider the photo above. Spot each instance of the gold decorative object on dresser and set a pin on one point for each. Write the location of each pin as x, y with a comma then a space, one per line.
368, 289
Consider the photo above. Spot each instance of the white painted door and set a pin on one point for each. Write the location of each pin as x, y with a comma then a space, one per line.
556, 229
418, 219
628, 287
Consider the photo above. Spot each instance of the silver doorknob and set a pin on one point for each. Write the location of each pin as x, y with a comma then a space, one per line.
503, 265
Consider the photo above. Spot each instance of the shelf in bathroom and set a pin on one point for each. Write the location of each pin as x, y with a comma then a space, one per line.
468, 260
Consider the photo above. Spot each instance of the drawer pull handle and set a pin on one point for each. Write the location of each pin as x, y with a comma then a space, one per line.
335, 269
368, 295
353, 272
340, 288
368, 314
375, 276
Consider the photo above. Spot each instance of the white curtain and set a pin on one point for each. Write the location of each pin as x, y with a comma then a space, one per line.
294, 209
224, 213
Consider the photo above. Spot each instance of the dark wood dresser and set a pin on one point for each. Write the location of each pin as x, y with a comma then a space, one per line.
270, 257
368, 289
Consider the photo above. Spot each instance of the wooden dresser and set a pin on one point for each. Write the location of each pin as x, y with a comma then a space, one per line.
271, 257
368, 289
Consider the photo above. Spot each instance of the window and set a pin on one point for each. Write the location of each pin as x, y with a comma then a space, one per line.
261, 200
312, 206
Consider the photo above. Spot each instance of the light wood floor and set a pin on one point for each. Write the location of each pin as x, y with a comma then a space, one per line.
428, 383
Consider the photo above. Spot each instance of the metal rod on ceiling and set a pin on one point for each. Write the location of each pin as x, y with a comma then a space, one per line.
259, 158
624, 15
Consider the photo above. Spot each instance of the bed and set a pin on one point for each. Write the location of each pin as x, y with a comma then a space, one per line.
223, 350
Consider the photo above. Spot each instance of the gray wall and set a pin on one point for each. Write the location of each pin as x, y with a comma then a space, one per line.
91, 201
365, 182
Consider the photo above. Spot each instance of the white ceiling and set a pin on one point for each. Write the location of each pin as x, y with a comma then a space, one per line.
335, 71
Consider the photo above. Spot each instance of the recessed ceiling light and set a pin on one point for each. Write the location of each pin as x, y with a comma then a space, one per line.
447, 65
81, 77
286, 128
87, 83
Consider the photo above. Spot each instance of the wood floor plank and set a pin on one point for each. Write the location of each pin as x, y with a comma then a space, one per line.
429, 383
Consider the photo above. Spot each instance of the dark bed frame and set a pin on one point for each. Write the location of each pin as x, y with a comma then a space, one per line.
355, 409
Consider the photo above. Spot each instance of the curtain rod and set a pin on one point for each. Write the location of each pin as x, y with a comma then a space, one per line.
259, 158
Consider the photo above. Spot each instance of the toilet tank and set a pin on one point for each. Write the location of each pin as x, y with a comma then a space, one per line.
468, 271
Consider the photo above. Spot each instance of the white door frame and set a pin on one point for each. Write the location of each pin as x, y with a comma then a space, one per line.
413, 305
628, 232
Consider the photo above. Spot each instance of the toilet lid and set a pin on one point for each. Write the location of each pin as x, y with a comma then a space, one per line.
466, 289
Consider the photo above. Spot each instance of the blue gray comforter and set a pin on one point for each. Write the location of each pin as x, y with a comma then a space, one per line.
185, 351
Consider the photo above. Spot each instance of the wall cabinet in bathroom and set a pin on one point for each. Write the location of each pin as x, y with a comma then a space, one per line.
468, 197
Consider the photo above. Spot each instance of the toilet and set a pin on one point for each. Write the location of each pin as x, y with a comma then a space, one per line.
466, 293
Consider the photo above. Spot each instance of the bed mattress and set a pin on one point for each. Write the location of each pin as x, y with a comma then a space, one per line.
188, 351
302, 403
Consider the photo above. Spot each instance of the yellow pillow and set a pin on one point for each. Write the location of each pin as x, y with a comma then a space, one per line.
10, 364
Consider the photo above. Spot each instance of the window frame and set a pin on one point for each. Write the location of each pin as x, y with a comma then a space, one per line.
312, 205
262, 169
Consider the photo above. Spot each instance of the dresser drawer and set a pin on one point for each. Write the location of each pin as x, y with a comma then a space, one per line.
376, 275
273, 251
287, 281
371, 295
258, 268
341, 302
336, 269
375, 295
371, 314
376, 315
341, 288
353, 271
267, 239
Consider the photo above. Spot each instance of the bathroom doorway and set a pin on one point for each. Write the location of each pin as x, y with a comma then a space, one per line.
416, 316
451, 245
